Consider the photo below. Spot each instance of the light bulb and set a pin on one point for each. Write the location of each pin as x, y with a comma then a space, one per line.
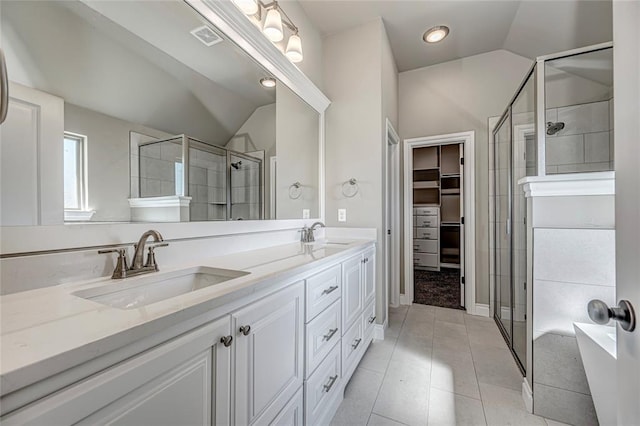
294, 49
248, 7
435, 34
273, 26
268, 82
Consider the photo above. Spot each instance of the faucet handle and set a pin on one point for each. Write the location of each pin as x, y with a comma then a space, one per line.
120, 270
151, 257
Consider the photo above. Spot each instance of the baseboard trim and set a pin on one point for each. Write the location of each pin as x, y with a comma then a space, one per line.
527, 395
482, 310
378, 330
404, 300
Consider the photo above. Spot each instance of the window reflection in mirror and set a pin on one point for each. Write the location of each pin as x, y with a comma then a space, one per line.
162, 116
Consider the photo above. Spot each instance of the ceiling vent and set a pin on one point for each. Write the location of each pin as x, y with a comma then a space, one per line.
206, 35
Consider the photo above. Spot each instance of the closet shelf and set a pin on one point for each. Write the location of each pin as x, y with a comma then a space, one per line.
450, 224
450, 251
428, 184
451, 191
450, 265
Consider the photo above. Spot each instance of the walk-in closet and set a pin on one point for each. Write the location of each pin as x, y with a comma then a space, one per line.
438, 225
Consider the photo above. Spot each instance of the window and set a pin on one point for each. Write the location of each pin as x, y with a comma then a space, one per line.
75, 176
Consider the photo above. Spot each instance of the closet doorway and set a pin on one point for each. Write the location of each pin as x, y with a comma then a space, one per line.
439, 244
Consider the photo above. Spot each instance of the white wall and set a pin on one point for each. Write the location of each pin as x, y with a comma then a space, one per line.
297, 145
458, 96
360, 81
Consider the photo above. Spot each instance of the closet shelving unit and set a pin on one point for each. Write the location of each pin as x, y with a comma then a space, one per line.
437, 201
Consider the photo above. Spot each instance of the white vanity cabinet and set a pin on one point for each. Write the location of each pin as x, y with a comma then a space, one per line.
185, 381
268, 355
283, 357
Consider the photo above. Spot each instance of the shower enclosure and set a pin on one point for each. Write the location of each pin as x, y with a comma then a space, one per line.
559, 121
212, 182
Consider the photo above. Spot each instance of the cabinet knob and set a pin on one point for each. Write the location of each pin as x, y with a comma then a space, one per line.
372, 319
245, 329
226, 341
330, 289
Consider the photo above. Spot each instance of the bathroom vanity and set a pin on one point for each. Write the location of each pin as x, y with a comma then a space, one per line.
275, 343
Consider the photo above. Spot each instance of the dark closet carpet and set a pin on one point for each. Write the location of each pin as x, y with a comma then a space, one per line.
437, 288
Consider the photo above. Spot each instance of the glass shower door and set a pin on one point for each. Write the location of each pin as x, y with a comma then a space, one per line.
246, 184
502, 250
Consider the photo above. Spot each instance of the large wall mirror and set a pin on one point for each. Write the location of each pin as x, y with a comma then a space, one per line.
143, 111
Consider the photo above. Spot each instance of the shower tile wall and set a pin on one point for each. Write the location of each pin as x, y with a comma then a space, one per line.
245, 191
207, 185
158, 169
586, 142
574, 262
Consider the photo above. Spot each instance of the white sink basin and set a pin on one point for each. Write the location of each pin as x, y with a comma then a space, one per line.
140, 291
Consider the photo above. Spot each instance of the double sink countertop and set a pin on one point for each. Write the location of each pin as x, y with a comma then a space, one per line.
49, 330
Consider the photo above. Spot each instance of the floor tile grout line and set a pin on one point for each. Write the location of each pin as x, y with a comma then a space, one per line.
475, 372
387, 370
385, 417
433, 335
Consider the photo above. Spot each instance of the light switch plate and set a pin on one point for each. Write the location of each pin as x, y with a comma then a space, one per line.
342, 215
305, 213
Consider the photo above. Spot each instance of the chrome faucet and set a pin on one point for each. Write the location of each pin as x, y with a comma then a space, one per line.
137, 266
307, 233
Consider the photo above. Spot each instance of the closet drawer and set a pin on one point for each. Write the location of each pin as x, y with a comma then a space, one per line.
322, 334
352, 344
424, 259
426, 233
425, 211
320, 388
369, 320
425, 246
322, 290
426, 221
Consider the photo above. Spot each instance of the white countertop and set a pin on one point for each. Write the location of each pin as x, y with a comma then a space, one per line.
48, 330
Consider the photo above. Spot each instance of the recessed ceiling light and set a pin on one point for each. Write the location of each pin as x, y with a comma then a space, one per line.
268, 82
435, 34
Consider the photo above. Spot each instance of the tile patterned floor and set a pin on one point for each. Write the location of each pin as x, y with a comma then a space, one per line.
436, 366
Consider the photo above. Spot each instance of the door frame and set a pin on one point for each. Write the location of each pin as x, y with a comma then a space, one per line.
469, 194
392, 221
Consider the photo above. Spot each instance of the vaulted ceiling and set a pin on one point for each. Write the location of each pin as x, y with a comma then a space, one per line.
528, 28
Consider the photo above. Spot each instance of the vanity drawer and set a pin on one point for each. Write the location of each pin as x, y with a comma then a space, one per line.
425, 211
322, 386
322, 290
425, 246
426, 233
369, 320
352, 344
322, 334
426, 221
425, 259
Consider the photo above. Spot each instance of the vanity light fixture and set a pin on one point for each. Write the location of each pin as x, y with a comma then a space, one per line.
268, 82
275, 22
248, 7
435, 34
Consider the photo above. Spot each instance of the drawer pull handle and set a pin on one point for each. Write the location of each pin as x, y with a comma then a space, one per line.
226, 341
356, 343
329, 385
245, 329
330, 334
372, 319
330, 289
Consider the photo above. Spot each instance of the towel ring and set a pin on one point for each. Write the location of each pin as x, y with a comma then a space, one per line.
350, 188
295, 190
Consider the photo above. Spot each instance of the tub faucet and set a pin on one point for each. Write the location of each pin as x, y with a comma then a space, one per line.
137, 264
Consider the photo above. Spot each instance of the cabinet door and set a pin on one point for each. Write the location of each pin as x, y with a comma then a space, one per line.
352, 299
184, 381
369, 276
269, 354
